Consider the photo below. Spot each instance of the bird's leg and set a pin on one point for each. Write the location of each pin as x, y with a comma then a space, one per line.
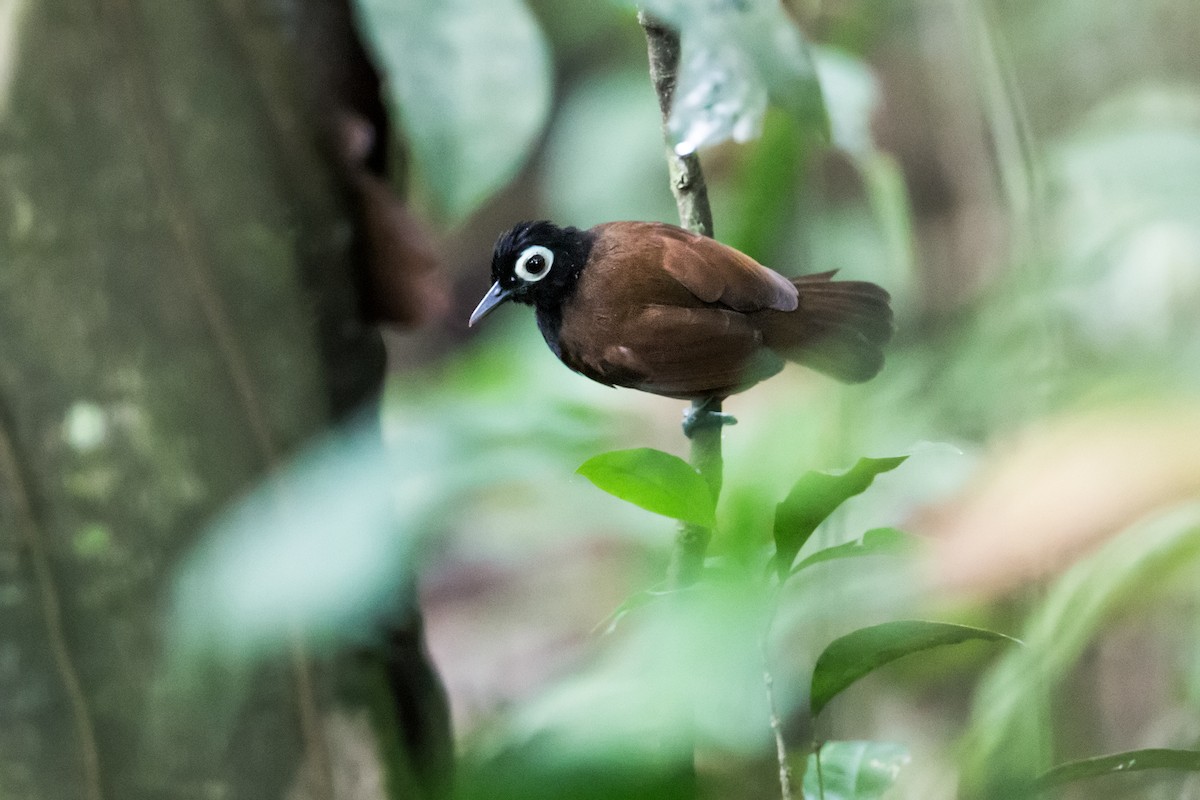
704, 415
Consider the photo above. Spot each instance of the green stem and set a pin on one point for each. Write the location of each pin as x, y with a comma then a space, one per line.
820, 775
691, 544
785, 769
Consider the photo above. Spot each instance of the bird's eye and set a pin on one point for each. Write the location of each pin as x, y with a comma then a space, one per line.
534, 263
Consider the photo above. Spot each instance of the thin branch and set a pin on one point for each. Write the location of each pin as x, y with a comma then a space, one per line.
687, 178
820, 774
695, 214
691, 543
785, 769
85, 727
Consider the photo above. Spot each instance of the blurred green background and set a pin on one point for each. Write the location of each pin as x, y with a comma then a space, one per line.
1023, 177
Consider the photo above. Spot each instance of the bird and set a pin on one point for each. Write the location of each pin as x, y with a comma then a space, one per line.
657, 308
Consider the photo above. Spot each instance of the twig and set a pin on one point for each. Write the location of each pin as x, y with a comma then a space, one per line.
820, 774
695, 214
787, 777
687, 179
785, 769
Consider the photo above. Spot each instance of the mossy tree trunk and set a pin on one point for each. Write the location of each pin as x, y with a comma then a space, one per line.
179, 311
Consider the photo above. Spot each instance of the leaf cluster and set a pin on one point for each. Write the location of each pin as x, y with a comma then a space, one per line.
667, 485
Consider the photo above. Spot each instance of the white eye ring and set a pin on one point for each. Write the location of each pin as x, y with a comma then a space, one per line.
542, 258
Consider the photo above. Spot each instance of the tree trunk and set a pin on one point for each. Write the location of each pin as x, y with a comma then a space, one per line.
180, 294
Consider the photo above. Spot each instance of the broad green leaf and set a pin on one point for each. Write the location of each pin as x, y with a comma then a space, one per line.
854, 770
875, 542
1119, 763
858, 653
472, 81
655, 481
1008, 742
734, 56
814, 497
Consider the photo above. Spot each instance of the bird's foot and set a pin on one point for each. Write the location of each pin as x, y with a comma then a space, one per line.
704, 416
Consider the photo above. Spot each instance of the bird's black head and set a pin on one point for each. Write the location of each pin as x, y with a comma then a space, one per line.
536, 263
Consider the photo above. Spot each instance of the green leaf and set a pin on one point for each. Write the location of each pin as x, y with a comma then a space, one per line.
814, 497
472, 81
854, 770
854, 655
875, 542
1118, 763
655, 481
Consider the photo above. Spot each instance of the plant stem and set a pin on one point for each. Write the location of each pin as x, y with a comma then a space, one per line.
820, 775
691, 544
785, 770
695, 214
687, 179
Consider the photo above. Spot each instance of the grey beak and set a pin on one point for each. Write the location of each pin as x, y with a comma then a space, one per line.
494, 297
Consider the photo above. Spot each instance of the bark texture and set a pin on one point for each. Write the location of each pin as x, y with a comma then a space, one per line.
181, 287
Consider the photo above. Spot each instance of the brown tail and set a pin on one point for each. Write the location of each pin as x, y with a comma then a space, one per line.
839, 328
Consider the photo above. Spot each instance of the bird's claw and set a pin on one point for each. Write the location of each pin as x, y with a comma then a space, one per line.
700, 418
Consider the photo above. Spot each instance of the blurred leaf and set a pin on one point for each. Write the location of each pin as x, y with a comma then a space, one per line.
537, 771
1130, 262
626, 182
678, 671
1119, 763
734, 54
852, 93
876, 542
814, 497
323, 545
330, 541
858, 653
472, 80
1008, 741
655, 481
854, 770
766, 194
887, 196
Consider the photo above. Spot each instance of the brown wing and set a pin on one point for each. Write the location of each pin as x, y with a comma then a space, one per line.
682, 352
713, 272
